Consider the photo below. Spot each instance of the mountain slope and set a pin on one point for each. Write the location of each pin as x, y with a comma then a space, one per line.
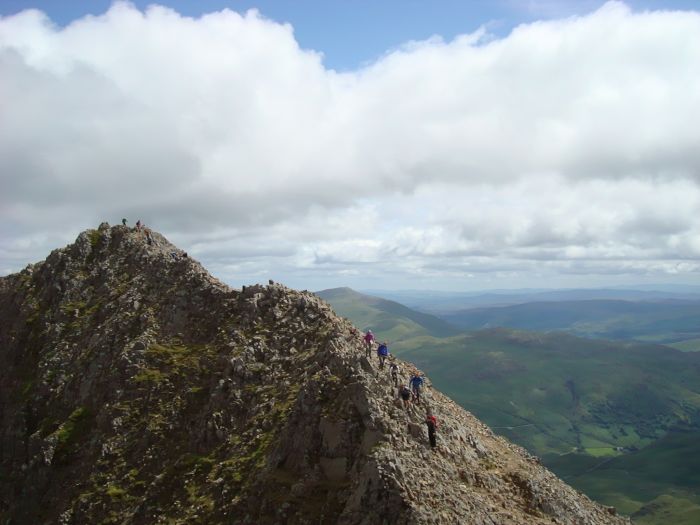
135, 388
393, 320
592, 409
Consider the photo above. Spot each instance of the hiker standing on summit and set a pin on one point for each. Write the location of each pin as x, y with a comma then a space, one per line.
369, 340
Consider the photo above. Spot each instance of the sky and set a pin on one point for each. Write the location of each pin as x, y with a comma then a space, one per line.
378, 145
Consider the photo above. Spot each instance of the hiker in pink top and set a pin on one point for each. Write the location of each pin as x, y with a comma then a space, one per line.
369, 342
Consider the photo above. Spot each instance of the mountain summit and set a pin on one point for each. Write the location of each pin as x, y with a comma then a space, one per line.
136, 388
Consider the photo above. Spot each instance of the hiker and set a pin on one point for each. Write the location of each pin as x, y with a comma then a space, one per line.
123, 222
369, 340
405, 396
416, 383
394, 371
138, 225
432, 423
382, 353
149, 238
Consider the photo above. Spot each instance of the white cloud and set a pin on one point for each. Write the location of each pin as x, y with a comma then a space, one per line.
569, 145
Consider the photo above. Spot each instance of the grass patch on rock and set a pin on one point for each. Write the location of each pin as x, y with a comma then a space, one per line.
72, 432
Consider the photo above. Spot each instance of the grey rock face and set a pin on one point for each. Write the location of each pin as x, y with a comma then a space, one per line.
136, 388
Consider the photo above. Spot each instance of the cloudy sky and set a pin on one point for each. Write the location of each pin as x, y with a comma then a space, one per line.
474, 145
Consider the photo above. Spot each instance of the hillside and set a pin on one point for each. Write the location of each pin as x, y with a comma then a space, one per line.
569, 391
617, 420
393, 320
135, 388
591, 409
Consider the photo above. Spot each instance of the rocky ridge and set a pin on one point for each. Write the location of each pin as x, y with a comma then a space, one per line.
136, 388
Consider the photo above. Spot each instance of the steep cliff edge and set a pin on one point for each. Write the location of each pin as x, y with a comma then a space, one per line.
136, 388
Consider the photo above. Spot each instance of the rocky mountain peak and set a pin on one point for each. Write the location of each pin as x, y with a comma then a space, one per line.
136, 388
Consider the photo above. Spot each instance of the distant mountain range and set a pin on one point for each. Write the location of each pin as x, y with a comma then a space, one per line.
667, 320
669, 316
438, 302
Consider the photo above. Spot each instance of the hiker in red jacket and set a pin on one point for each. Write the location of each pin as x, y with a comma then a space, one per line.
432, 423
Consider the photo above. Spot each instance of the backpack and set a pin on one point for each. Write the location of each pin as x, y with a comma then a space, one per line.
432, 422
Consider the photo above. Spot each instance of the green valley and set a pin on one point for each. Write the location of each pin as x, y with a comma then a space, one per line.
657, 484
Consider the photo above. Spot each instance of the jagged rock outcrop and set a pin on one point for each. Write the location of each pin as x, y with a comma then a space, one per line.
136, 388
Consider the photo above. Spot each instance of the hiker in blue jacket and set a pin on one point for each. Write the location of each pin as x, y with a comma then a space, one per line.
416, 383
382, 353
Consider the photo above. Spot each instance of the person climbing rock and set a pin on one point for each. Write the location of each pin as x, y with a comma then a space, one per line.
123, 222
432, 423
405, 396
394, 371
369, 341
382, 353
149, 237
416, 383
138, 225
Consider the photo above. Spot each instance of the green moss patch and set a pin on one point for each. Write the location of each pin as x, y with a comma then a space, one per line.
94, 237
176, 363
71, 433
115, 492
150, 375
